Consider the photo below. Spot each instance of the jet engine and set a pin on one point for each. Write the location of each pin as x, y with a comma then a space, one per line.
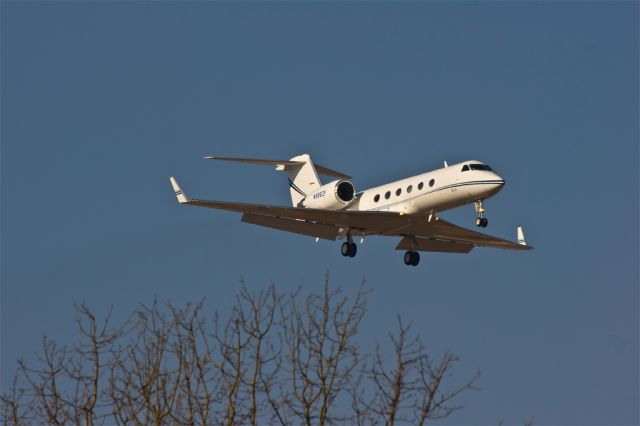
334, 195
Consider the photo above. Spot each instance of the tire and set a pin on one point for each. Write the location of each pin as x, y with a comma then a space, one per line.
345, 249
408, 258
479, 222
485, 222
353, 249
415, 258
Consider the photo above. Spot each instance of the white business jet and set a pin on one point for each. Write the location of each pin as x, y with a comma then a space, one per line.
407, 208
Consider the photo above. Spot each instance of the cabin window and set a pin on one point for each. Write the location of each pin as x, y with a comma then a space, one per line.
376, 198
387, 195
409, 189
420, 185
431, 182
398, 191
465, 168
480, 167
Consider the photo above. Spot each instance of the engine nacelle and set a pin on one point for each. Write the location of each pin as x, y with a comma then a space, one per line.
335, 195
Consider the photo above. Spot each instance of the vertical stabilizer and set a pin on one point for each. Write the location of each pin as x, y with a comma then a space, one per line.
303, 179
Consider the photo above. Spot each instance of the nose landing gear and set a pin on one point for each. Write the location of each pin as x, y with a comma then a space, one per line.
481, 221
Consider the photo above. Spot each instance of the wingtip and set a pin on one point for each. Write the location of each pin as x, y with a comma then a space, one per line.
521, 239
182, 198
209, 157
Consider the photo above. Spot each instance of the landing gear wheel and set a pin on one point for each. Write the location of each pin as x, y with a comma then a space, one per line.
482, 222
411, 258
348, 248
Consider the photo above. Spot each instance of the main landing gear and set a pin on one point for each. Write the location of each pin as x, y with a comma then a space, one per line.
411, 258
349, 248
481, 221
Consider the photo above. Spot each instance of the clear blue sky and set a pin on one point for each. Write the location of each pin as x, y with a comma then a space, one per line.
101, 102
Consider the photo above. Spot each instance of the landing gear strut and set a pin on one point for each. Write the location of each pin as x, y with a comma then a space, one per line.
411, 258
349, 248
481, 221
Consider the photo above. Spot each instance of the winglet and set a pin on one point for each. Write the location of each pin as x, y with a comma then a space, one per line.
521, 239
182, 198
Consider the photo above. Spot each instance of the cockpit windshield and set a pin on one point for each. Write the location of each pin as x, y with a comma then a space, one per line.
480, 167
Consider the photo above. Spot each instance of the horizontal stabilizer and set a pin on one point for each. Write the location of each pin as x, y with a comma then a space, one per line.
281, 165
257, 161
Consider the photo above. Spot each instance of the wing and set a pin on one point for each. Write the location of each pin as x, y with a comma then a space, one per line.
319, 230
437, 235
429, 244
442, 236
315, 222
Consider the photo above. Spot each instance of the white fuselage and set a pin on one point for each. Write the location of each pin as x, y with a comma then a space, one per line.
433, 191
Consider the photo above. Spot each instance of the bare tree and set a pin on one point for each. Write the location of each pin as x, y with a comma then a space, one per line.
14, 409
49, 401
197, 392
321, 351
414, 389
63, 385
258, 316
146, 379
249, 360
274, 358
92, 356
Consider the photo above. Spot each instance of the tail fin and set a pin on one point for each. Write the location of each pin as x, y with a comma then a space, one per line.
303, 179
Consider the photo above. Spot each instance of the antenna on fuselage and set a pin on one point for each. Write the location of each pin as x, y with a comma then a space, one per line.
445, 164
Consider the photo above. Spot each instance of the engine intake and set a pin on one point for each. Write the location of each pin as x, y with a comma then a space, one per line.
345, 191
335, 195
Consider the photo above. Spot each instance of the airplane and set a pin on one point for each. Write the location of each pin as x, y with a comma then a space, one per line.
406, 208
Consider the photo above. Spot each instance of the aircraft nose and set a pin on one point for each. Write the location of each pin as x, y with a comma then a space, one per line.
499, 183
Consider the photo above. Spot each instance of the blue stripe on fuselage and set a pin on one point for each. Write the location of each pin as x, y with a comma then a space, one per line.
454, 185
